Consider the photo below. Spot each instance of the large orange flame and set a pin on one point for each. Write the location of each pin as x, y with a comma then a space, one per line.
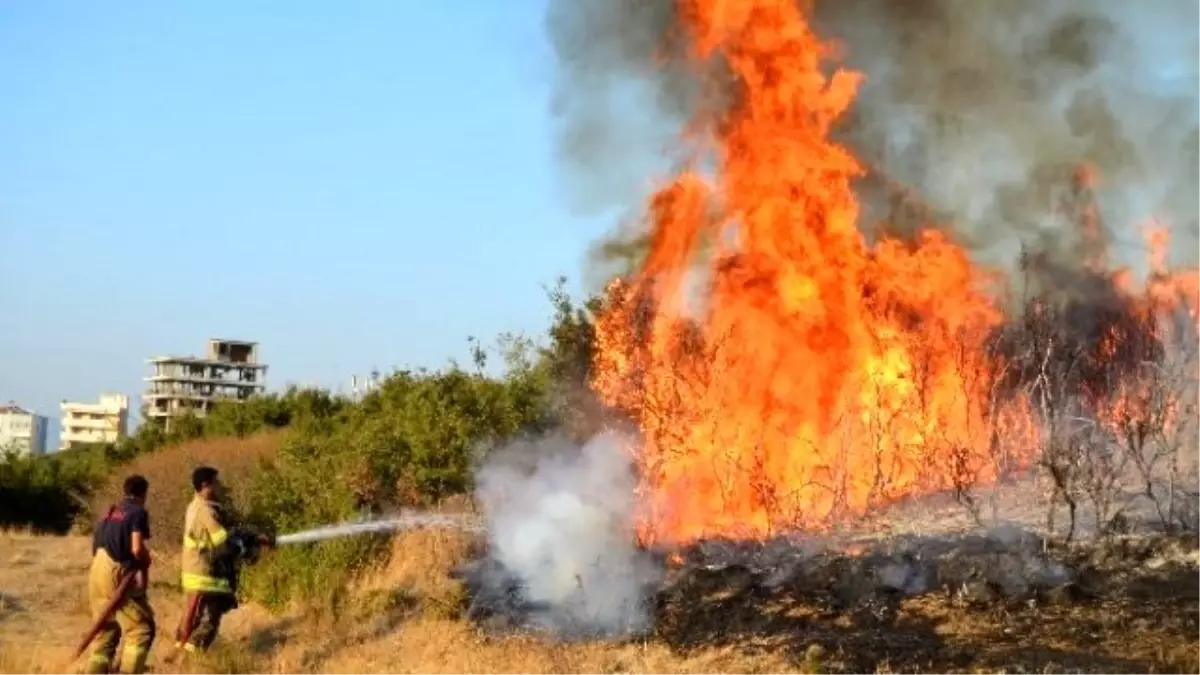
822, 376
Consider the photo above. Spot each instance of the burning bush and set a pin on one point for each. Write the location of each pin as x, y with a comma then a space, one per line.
817, 376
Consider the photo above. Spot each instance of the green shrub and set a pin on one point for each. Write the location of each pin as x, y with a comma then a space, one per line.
47, 493
411, 441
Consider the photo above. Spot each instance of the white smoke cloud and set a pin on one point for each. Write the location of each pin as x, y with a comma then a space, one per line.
559, 519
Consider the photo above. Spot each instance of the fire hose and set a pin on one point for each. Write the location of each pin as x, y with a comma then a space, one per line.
184, 632
249, 546
107, 612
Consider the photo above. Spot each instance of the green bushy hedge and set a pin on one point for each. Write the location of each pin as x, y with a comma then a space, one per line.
48, 494
408, 443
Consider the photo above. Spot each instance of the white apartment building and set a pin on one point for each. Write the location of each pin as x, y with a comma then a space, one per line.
105, 421
22, 430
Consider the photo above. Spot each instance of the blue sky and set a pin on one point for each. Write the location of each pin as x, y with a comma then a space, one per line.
350, 184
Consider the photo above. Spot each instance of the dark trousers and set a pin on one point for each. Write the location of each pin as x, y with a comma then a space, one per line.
210, 609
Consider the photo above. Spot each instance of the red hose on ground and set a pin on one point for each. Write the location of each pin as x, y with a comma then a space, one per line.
184, 633
118, 596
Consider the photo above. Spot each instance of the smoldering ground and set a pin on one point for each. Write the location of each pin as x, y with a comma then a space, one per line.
976, 111
562, 553
863, 595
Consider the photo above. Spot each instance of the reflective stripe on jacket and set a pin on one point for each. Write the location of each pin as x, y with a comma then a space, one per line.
204, 533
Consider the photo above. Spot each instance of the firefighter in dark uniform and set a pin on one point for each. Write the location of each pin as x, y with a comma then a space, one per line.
120, 546
212, 551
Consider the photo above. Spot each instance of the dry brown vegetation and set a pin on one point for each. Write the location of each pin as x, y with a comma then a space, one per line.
169, 471
408, 617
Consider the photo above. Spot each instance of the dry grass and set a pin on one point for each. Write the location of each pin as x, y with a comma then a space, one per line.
169, 471
406, 619
406, 622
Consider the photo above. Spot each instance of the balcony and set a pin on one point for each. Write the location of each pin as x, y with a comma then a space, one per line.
69, 436
206, 380
102, 423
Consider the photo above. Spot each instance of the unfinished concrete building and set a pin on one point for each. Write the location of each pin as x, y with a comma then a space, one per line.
229, 371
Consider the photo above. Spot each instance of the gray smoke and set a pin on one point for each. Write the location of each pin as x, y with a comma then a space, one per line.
618, 112
984, 108
559, 521
979, 110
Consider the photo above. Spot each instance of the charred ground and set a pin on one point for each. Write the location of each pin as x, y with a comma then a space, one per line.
1004, 601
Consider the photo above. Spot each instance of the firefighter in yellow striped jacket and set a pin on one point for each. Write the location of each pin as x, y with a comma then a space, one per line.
212, 550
